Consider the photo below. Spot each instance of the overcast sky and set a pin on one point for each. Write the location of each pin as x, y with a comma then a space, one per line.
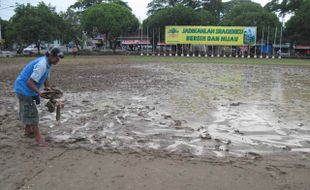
138, 6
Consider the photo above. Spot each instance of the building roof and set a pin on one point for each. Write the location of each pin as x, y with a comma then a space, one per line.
301, 47
282, 45
135, 42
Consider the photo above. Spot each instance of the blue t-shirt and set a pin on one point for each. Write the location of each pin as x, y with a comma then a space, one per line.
38, 70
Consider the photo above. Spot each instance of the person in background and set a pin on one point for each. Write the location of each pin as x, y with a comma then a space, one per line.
75, 50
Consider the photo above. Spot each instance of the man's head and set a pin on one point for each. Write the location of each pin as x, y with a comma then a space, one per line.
54, 55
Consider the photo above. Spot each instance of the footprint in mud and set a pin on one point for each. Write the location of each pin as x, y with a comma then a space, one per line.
254, 156
274, 171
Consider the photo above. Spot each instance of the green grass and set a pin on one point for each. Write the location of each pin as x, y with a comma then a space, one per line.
216, 60
173, 59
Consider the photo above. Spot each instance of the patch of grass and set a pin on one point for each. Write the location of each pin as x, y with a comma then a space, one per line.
216, 60
16, 59
156, 59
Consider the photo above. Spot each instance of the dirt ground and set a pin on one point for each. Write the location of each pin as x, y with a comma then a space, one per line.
132, 124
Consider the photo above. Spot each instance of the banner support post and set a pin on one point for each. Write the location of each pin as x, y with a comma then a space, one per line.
242, 55
158, 53
249, 52
141, 38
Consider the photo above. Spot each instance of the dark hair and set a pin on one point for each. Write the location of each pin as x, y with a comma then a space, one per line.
54, 52
47, 54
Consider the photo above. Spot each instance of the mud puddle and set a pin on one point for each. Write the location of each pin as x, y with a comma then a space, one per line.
211, 110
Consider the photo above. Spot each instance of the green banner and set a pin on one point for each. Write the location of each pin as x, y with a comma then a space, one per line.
211, 35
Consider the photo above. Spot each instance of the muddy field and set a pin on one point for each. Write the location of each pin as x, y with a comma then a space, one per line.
254, 117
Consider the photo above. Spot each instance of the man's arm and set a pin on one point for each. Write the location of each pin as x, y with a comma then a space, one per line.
46, 84
33, 86
38, 72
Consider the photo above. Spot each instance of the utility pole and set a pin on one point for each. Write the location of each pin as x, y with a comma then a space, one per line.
0, 25
0, 32
274, 43
261, 44
280, 55
267, 56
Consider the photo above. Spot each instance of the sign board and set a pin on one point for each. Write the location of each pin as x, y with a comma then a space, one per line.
211, 35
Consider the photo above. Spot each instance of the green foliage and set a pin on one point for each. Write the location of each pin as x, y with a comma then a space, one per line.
298, 27
121, 3
110, 19
229, 5
206, 17
4, 26
284, 7
72, 30
157, 5
82, 5
215, 7
247, 13
33, 24
177, 15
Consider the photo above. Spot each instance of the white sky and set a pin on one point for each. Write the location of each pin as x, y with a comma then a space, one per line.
138, 6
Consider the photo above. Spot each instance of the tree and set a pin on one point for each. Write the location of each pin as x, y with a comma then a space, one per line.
121, 3
5, 41
194, 4
177, 15
212, 8
284, 7
247, 13
110, 19
298, 27
34, 24
157, 5
82, 5
215, 7
72, 29
230, 5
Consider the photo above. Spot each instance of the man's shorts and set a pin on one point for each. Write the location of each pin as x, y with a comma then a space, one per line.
28, 112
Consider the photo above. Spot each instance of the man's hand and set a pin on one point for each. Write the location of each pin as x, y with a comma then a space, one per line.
47, 88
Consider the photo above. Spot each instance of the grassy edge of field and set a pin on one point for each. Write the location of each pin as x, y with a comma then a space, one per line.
218, 60
173, 59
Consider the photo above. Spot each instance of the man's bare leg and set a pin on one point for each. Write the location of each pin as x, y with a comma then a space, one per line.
29, 131
37, 134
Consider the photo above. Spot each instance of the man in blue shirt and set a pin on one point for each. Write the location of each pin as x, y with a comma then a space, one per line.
27, 88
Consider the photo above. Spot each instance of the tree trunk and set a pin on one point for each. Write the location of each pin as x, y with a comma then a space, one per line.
76, 43
112, 45
106, 40
39, 46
